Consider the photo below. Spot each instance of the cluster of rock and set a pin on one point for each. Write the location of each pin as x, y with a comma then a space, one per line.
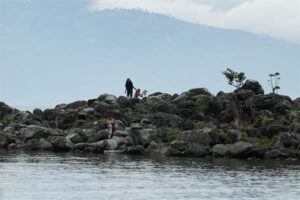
244, 123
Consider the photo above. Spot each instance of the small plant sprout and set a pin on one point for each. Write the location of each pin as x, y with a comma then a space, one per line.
274, 82
235, 79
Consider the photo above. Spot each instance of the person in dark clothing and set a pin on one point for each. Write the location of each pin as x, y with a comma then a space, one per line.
129, 88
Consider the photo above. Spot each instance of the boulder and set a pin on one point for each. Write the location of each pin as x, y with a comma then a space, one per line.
243, 95
219, 150
74, 137
182, 148
296, 103
144, 137
108, 98
188, 124
288, 139
36, 132
274, 128
66, 119
240, 149
275, 153
39, 144
91, 135
3, 141
86, 113
96, 147
59, 143
75, 105
294, 116
182, 97
136, 150
267, 102
5, 110
123, 101
195, 136
50, 114
38, 112
253, 86
163, 119
200, 91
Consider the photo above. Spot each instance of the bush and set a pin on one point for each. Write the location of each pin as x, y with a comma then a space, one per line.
140, 107
261, 121
202, 103
199, 125
266, 143
224, 137
170, 134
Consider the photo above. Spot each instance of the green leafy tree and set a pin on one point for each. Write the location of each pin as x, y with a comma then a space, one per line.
274, 82
235, 79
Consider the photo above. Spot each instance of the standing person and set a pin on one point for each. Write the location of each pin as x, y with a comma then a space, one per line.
111, 127
129, 88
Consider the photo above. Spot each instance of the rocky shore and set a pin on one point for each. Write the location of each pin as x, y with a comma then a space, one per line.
241, 124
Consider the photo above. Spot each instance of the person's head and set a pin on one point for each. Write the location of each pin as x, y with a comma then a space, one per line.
138, 90
128, 80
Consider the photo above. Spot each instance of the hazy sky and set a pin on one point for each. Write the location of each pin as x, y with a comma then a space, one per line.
276, 18
56, 51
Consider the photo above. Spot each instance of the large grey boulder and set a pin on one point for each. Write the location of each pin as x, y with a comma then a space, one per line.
269, 102
60, 143
200, 91
254, 86
144, 136
5, 110
86, 113
219, 150
34, 131
136, 150
91, 135
182, 97
75, 105
39, 144
96, 147
108, 98
182, 148
163, 119
240, 149
74, 137
275, 153
66, 118
288, 139
200, 136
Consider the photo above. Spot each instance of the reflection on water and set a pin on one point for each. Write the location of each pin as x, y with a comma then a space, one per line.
30, 176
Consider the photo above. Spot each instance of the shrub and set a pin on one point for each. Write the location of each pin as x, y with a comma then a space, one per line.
235, 79
140, 107
199, 125
170, 133
266, 143
202, 103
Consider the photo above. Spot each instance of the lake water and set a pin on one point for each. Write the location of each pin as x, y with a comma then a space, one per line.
40, 176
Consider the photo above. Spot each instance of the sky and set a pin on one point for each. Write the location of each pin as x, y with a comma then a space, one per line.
59, 51
275, 18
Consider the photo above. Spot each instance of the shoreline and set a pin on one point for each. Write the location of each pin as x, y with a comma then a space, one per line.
242, 124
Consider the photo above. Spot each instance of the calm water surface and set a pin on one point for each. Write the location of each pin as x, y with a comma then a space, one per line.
39, 176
